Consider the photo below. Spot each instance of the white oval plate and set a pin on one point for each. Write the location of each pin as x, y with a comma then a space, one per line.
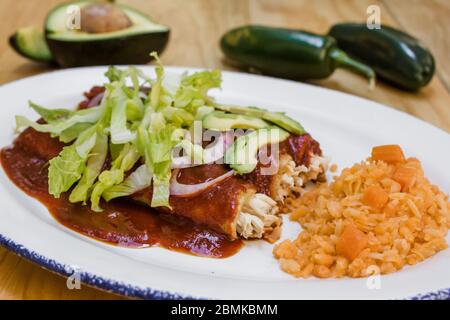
346, 126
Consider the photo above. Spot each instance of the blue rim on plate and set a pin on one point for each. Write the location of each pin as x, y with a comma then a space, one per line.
91, 279
134, 291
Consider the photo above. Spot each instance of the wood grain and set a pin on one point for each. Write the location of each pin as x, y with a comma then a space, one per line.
196, 26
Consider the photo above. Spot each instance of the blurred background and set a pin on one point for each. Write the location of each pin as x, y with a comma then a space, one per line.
196, 27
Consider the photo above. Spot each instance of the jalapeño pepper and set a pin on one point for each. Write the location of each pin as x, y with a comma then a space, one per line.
396, 57
286, 53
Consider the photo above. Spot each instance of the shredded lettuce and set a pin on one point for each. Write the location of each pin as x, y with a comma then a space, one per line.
161, 184
139, 132
91, 115
119, 131
192, 92
134, 76
114, 74
135, 109
93, 168
106, 179
194, 151
64, 171
86, 141
125, 161
157, 88
139, 179
177, 116
161, 144
114, 150
156, 146
50, 115
67, 168
127, 157
73, 132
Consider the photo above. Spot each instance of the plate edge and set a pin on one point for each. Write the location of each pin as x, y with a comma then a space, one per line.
90, 279
131, 291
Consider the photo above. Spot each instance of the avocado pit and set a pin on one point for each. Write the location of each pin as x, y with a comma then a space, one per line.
103, 17
109, 34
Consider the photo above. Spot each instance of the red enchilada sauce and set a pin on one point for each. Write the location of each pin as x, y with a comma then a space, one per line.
129, 224
121, 222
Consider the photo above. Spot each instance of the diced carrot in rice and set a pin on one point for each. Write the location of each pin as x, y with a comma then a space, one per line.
351, 242
388, 153
406, 176
341, 237
375, 197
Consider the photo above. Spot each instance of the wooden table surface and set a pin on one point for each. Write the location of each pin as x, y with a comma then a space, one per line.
196, 26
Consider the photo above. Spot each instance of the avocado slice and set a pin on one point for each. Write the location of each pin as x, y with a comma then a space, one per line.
242, 155
278, 118
221, 121
30, 43
108, 34
285, 122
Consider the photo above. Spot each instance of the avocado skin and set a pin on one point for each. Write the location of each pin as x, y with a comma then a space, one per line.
130, 49
15, 46
13, 43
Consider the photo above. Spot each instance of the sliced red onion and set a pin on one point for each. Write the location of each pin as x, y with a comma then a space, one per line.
181, 162
191, 190
95, 101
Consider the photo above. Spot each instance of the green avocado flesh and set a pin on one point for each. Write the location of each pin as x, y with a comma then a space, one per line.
242, 155
278, 118
131, 45
221, 121
56, 28
30, 43
285, 122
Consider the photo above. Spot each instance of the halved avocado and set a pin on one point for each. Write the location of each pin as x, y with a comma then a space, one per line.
30, 43
96, 43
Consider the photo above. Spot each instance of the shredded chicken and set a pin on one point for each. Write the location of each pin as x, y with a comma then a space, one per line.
258, 216
293, 178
